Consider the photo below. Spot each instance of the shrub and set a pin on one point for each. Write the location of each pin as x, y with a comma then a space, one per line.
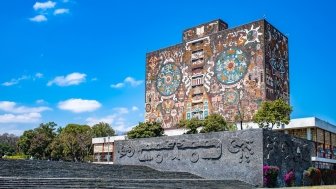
328, 176
270, 175
146, 130
191, 125
306, 181
289, 178
312, 177
214, 123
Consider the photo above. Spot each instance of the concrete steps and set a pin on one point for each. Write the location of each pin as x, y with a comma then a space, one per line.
119, 183
49, 174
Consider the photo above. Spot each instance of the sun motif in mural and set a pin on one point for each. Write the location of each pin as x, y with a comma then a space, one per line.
231, 66
168, 79
231, 97
252, 35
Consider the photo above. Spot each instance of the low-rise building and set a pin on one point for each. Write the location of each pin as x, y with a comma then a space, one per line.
103, 149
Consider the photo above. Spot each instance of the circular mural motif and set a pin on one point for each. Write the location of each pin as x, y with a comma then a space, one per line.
168, 79
231, 66
231, 97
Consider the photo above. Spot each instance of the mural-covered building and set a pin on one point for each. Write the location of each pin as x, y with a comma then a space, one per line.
217, 70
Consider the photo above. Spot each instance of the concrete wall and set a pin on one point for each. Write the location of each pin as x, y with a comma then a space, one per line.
238, 155
222, 155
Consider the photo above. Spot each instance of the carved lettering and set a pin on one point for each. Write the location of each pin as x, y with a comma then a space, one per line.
243, 147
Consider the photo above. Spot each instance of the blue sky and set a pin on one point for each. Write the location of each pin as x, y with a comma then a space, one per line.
72, 61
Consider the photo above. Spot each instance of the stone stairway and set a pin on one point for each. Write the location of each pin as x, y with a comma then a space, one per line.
52, 174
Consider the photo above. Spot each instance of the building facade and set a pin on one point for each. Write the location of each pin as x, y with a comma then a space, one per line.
322, 133
103, 149
217, 70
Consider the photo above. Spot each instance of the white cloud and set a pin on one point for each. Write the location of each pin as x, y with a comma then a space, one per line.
121, 110
44, 5
132, 81
79, 105
61, 11
134, 108
38, 75
108, 119
38, 18
117, 86
117, 120
128, 80
21, 118
40, 101
15, 81
11, 107
70, 79
11, 129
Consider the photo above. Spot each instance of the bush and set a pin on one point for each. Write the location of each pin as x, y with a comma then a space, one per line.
214, 123
146, 130
328, 176
17, 156
270, 175
289, 178
192, 125
312, 177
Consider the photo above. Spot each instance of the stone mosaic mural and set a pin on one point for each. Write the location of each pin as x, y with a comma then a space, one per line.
217, 70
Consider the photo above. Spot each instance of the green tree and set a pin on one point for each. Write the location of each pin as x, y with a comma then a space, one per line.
8, 144
77, 141
191, 124
214, 123
40, 143
6, 149
102, 130
232, 127
273, 113
25, 141
146, 130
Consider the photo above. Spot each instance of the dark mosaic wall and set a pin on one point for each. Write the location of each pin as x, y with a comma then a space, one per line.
288, 153
218, 71
276, 64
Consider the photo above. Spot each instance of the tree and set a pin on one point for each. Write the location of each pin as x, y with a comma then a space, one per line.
57, 148
214, 123
8, 144
76, 141
37, 142
146, 130
40, 143
191, 124
273, 113
102, 130
25, 141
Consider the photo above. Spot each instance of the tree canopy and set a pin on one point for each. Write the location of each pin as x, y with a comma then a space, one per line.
146, 130
8, 144
76, 141
214, 123
273, 113
37, 142
102, 129
72, 142
191, 125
